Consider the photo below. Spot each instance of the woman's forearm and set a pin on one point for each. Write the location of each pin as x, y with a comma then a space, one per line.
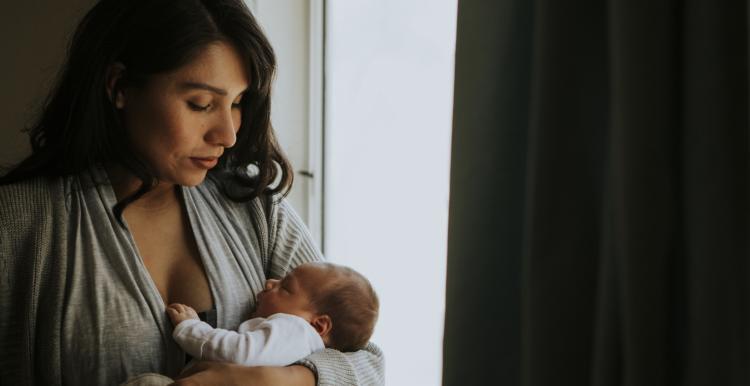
363, 367
301, 375
216, 373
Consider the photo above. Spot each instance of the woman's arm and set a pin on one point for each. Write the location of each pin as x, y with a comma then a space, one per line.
364, 367
291, 245
217, 373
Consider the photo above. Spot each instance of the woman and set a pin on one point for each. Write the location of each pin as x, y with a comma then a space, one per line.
154, 178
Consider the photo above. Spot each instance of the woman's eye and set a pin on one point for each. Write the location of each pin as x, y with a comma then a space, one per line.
197, 107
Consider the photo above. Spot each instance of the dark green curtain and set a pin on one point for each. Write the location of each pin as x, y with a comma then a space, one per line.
599, 194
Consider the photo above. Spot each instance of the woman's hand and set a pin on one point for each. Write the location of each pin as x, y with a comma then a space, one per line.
217, 373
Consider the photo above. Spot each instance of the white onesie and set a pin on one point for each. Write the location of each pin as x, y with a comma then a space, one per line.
279, 340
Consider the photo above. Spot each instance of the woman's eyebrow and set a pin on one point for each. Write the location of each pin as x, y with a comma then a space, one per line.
202, 86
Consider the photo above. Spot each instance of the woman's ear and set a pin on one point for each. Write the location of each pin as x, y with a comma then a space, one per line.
114, 74
322, 324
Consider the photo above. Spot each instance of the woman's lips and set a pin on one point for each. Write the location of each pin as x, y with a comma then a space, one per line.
205, 163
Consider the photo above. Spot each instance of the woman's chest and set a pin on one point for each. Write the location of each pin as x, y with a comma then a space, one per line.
110, 327
174, 264
114, 323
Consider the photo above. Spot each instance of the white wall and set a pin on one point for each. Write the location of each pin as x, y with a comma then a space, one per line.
389, 88
290, 26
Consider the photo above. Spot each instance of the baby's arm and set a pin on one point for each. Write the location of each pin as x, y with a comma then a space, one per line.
204, 342
277, 342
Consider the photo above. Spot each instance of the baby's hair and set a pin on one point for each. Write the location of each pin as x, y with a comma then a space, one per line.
351, 303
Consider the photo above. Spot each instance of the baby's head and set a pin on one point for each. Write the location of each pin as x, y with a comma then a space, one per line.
337, 301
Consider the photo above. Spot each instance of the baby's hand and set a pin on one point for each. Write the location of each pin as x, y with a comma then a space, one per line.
180, 312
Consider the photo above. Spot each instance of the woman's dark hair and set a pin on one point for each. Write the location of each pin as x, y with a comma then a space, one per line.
79, 125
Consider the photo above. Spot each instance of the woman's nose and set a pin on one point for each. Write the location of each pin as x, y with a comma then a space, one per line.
224, 132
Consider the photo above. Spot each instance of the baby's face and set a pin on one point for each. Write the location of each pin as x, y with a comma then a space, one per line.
289, 295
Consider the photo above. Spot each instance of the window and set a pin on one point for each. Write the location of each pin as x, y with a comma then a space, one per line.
295, 29
389, 103
385, 143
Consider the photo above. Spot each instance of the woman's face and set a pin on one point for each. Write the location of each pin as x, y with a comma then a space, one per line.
181, 122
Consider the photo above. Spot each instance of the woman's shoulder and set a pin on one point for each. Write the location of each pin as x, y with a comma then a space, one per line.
27, 198
261, 206
264, 213
41, 186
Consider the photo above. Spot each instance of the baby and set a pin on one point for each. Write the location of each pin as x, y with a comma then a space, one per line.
316, 305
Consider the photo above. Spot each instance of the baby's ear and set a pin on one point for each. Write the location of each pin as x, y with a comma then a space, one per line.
322, 324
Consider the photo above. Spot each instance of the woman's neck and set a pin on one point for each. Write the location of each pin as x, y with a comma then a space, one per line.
161, 197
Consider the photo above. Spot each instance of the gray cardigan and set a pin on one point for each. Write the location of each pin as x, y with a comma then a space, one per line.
77, 306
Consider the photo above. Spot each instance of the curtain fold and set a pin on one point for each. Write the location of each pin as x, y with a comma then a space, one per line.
598, 230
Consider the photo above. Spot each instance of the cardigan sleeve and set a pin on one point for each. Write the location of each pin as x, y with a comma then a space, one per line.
31, 276
290, 245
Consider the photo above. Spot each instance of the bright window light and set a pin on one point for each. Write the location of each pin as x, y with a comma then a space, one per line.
389, 102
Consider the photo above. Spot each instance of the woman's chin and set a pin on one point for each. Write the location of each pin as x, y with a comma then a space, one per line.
193, 179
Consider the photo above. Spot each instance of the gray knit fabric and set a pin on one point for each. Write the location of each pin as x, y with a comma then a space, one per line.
77, 305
